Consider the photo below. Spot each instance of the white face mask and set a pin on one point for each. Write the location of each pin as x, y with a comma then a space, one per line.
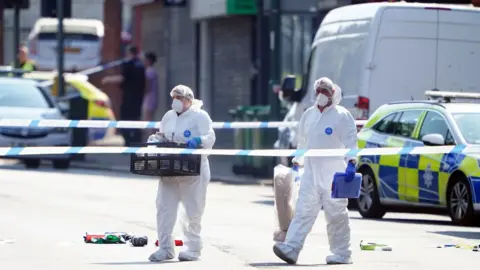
322, 100
177, 105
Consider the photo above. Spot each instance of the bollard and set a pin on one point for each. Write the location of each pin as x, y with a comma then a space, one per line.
79, 111
238, 134
248, 142
261, 167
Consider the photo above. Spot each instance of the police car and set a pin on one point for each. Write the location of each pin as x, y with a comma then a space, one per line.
449, 181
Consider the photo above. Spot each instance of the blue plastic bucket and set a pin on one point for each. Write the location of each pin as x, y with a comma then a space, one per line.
344, 189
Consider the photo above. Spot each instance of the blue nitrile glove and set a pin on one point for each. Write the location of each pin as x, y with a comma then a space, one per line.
194, 143
350, 171
295, 167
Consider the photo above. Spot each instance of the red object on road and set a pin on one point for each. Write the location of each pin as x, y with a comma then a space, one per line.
178, 243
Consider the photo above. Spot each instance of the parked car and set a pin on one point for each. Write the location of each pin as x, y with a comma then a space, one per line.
83, 40
99, 105
447, 181
25, 99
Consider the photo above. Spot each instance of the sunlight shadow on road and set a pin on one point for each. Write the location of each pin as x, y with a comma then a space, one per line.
277, 264
136, 263
409, 221
460, 234
77, 171
265, 202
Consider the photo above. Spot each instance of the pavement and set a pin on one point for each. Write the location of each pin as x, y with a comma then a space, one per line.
46, 212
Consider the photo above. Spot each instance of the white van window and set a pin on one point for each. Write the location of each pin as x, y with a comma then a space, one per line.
339, 58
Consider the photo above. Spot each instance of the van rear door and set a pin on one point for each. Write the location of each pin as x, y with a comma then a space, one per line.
458, 50
77, 46
404, 57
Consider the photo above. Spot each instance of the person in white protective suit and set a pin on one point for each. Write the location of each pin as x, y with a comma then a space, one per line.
285, 190
326, 125
185, 123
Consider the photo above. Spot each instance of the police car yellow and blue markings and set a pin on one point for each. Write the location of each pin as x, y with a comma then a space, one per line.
415, 178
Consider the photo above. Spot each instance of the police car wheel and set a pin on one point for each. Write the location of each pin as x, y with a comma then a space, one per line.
459, 201
368, 203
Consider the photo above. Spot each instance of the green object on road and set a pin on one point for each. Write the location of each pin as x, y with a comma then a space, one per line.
374, 246
108, 239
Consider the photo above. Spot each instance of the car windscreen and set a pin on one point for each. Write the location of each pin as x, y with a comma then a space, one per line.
23, 95
468, 125
68, 36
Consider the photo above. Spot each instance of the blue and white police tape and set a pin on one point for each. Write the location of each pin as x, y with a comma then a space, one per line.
97, 69
55, 150
89, 71
135, 124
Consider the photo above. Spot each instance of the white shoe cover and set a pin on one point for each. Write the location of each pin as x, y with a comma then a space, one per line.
337, 259
188, 256
286, 253
162, 255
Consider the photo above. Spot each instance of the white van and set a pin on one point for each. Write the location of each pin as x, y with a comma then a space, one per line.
383, 52
82, 44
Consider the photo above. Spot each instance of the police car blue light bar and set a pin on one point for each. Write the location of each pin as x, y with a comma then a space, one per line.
449, 94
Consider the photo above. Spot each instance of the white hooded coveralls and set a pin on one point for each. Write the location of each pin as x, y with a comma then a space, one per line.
334, 128
190, 190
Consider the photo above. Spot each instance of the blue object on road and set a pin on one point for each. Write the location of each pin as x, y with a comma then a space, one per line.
341, 188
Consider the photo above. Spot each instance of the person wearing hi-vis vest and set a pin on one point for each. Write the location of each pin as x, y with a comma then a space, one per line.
25, 63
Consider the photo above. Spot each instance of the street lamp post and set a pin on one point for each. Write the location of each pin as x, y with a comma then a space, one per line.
60, 49
275, 56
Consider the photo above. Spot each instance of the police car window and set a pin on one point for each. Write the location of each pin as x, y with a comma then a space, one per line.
468, 125
407, 122
382, 125
23, 96
434, 123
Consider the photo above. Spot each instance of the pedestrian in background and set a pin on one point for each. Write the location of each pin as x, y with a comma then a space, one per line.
132, 82
150, 100
25, 62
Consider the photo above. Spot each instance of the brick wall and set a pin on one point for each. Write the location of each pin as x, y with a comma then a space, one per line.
232, 67
170, 34
182, 43
153, 37
111, 50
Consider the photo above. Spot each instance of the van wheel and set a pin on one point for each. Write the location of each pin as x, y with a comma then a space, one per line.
459, 201
368, 203
32, 163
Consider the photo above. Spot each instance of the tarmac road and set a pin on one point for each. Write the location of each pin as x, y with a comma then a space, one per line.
45, 213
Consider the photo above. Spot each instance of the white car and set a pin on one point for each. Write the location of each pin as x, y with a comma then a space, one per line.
25, 99
82, 43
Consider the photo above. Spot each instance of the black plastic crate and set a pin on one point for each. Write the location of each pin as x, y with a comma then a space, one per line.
165, 164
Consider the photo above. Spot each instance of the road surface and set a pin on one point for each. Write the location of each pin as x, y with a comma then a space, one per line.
45, 213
